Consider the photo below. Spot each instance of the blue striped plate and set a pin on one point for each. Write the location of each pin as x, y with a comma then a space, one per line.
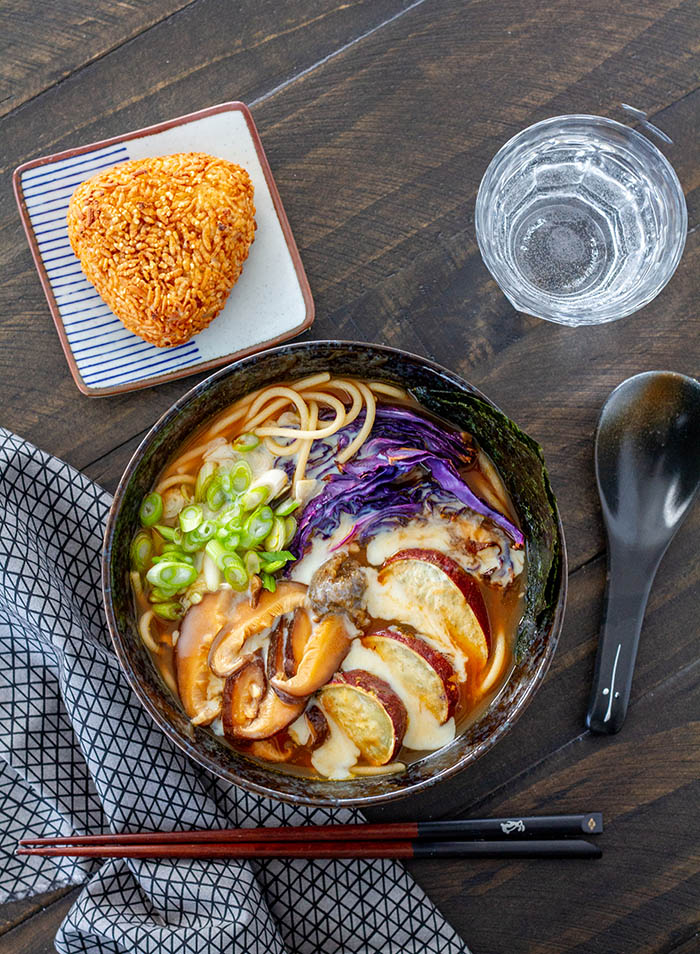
270, 303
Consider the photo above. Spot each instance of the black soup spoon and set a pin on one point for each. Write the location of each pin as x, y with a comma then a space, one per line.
647, 461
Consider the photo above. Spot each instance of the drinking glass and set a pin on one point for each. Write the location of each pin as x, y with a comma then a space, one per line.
580, 220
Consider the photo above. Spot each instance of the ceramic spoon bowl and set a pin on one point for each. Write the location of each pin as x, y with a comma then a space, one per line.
647, 460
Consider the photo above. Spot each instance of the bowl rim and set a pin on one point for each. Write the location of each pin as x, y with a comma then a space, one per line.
521, 299
232, 775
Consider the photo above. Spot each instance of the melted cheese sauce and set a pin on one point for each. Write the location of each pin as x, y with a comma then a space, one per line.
443, 535
434, 535
338, 754
300, 730
320, 551
391, 601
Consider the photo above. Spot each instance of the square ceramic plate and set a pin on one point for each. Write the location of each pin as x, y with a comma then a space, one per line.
269, 303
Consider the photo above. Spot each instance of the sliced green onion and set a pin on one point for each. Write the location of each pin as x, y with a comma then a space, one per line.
255, 498
286, 507
141, 550
190, 517
290, 526
259, 524
171, 610
195, 539
167, 533
206, 472
190, 545
217, 552
241, 476
247, 542
277, 537
272, 482
246, 442
268, 582
232, 541
231, 517
172, 573
171, 551
274, 565
235, 572
283, 555
216, 494
252, 562
275, 560
161, 594
151, 510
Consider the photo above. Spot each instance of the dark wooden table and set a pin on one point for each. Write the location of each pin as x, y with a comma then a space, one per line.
379, 118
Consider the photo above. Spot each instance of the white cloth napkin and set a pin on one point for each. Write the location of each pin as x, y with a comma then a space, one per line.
79, 754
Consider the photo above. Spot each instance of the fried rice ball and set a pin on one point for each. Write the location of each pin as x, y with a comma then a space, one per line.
163, 240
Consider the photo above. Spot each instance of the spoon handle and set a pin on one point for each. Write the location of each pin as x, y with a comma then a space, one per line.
627, 589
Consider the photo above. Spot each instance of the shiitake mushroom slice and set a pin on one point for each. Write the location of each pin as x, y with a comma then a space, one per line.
310, 730
198, 688
251, 708
318, 725
247, 620
271, 750
324, 650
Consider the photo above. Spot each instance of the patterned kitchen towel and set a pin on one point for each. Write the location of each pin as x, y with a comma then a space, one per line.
79, 754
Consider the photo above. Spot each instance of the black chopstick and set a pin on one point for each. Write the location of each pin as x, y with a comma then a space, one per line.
540, 826
513, 828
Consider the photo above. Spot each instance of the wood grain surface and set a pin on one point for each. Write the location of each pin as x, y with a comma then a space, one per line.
379, 119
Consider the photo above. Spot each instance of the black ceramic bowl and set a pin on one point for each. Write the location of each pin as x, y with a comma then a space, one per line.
520, 463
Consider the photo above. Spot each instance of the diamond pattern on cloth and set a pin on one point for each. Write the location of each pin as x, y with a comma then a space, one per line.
79, 754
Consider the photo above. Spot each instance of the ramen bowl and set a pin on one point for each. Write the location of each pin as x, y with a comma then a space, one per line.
521, 466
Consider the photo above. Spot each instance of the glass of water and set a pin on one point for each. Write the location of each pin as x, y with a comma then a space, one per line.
580, 220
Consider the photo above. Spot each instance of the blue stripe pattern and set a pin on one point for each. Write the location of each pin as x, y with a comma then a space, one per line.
107, 354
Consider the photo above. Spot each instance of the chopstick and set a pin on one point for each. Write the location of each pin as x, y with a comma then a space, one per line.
542, 826
398, 848
476, 838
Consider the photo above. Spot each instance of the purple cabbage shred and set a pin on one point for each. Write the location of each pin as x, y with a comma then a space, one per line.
408, 463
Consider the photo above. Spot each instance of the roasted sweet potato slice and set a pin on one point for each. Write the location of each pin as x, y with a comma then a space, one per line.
436, 596
248, 620
425, 672
368, 710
